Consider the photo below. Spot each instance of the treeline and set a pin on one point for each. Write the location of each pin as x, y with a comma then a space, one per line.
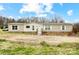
76, 28
4, 21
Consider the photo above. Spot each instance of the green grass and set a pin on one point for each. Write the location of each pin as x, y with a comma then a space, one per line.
20, 48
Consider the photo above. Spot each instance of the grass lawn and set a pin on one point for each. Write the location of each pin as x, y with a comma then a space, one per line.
20, 48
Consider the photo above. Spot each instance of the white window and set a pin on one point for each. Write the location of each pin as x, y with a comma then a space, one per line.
14, 27
47, 27
63, 27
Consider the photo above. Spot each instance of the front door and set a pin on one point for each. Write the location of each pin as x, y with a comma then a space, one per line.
39, 31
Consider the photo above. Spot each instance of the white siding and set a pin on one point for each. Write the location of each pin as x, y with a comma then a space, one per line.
53, 27
36, 26
58, 28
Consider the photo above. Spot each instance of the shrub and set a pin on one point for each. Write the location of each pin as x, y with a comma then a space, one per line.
30, 50
2, 40
43, 43
77, 45
77, 34
69, 45
5, 52
48, 51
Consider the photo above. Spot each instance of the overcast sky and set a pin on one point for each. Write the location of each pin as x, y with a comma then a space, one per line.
68, 11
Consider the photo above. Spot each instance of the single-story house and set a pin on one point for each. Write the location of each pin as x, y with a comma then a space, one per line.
41, 28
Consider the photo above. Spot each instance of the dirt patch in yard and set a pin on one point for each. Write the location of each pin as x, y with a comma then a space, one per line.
36, 39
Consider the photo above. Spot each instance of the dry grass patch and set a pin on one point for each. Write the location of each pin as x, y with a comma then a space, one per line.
20, 48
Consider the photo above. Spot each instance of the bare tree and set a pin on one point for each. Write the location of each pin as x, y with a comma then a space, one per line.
76, 28
57, 19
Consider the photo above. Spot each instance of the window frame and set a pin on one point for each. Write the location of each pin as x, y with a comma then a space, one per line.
14, 27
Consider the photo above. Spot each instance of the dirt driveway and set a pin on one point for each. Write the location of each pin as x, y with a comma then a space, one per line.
37, 39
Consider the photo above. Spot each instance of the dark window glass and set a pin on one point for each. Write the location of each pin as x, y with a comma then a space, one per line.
32, 27
27, 26
47, 28
63, 28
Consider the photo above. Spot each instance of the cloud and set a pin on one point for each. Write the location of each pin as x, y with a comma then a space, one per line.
29, 8
37, 8
1, 8
10, 17
61, 4
70, 12
74, 21
49, 6
41, 15
67, 21
19, 17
